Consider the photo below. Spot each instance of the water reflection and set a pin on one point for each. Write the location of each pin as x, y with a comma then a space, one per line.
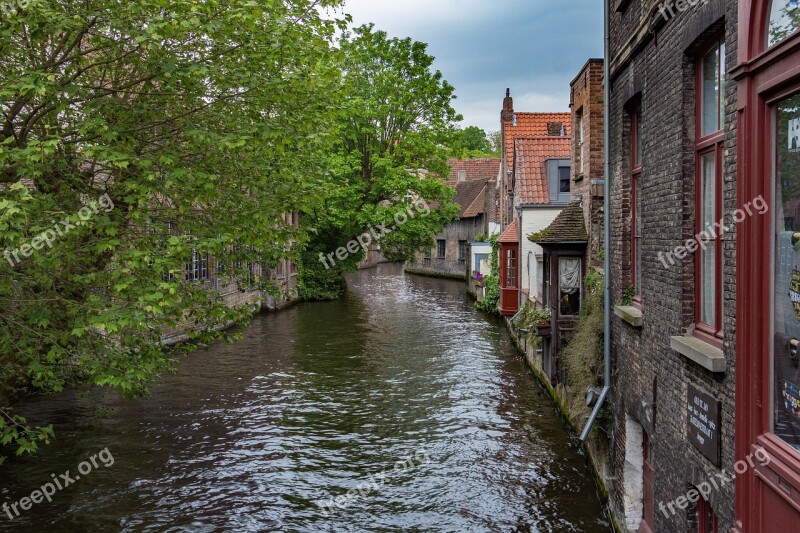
316, 401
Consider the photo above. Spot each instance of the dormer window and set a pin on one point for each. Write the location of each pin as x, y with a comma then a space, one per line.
558, 174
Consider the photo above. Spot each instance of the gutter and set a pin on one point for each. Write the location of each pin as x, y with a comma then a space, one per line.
606, 229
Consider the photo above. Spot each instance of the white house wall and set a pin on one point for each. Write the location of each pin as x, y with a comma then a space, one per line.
534, 219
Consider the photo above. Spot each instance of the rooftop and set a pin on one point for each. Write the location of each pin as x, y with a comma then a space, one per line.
470, 196
530, 161
482, 169
511, 234
534, 125
569, 226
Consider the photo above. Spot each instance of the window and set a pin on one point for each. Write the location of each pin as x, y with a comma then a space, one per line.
784, 20
428, 253
511, 268
706, 519
462, 251
441, 248
462, 175
563, 179
569, 285
636, 200
579, 153
546, 281
558, 173
710, 137
197, 268
786, 286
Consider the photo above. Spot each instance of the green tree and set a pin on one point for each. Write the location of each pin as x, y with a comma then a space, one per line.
183, 126
395, 124
474, 139
496, 142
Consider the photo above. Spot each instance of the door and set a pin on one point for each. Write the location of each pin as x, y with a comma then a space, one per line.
768, 268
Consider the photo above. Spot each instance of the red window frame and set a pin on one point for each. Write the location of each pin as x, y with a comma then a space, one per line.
636, 183
648, 486
706, 519
511, 268
704, 145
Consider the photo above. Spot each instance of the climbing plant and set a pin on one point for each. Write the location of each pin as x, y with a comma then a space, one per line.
491, 300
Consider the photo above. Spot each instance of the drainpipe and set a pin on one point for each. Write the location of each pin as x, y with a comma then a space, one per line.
519, 259
606, 229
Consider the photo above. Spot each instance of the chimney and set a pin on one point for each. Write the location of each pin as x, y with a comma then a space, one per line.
507, 115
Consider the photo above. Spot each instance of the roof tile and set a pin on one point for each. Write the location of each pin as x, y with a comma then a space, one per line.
533, 125
511, 234
531, 155
569, 226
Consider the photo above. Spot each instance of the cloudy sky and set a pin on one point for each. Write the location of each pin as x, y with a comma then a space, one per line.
534, 47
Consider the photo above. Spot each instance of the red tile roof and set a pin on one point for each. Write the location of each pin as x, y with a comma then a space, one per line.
511, 234
476, 169
531, 156
533, 125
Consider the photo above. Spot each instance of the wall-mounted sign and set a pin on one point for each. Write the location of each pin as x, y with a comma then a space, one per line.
704, 420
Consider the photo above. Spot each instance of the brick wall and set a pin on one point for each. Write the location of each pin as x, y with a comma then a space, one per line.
654, 60
586, 102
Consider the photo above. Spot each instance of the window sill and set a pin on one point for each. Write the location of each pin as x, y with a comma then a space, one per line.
708, 356
631, 315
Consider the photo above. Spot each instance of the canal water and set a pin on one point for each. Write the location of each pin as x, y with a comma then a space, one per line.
400, 393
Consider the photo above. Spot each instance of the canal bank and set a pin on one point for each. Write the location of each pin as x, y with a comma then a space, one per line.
312, 403
596, 448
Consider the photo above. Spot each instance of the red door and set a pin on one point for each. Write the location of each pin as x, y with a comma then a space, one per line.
768, 268
648, 520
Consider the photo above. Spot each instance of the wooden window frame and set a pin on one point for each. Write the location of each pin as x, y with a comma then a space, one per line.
636, 182
705, 145
707, 521
441, 248
511, 269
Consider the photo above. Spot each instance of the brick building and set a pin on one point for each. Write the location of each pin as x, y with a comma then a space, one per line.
586, 102
672, 345
517, 125
449, 255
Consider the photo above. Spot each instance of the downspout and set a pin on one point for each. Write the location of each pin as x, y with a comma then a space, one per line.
607, 227
519, 260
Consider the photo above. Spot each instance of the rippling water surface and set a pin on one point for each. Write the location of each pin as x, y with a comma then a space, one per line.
315, 401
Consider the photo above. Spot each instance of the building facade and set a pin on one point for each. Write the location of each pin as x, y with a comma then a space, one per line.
449, 254
674, 134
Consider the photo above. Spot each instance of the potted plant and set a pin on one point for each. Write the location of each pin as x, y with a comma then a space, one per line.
541, 321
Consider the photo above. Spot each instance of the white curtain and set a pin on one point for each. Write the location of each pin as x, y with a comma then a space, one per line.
570, 275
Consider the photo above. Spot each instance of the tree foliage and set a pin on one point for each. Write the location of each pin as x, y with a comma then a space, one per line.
472, 141
202, 123
396, 121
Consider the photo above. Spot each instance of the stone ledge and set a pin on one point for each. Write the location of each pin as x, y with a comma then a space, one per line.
708, 356
629, 314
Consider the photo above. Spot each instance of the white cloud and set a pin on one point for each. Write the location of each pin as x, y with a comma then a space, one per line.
486, 113
401, 18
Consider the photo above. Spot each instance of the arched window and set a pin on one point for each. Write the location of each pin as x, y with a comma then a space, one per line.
784, 20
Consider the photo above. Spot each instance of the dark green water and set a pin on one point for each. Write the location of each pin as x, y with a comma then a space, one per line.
311, 403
